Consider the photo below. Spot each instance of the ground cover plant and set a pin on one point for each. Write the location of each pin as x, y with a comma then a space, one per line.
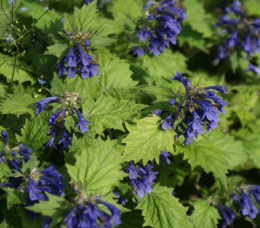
118, 113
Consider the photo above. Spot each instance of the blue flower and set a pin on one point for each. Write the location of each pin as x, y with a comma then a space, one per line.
167, 122
9, 39
121, 200
245, 201
41, 82
165, 155
10, 1
65, 140
23, 9
53, 117
162, 27
141, 179
88, 214
200, 109
228, 215
253, 68
82, 122
41, 104
10, 154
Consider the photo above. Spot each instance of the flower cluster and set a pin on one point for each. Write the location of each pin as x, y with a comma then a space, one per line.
162, 26
88, 214
13, 156
201, 109
74, 59
239, 33
141, 179
69, 106
243, 197
121, 199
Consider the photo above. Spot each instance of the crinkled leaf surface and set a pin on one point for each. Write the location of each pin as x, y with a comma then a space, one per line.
204, 215
108, 112
147, 139
98, 166
160, 209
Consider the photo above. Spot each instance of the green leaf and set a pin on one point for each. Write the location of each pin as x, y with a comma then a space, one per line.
49, 22
114, 73
21, 72
174, 174
124, 10
58, 49
132, 219
253, 7
34, 131
19, 104
217, 153
108, 112
251, 145
204, 215
160, 209
246, 100
55, 208
87, 21
166, 64
13, 197
192, 37
58, 87
27, 167
26, 221
198, 19
98, 166
147, 139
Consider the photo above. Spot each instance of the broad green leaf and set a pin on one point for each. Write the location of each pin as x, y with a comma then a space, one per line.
147, 139
34, 131
173, 174
58, 87
251, 145
124, 10
160, 209
86, 20
49, 22
14, 197
98, 166
207, 155
27, 167
192, 37
204, 215
58, 49
74, 150
245, 101
56, 208
4, 171
19, 104
253, 7
108, 112
113, 73
198, 19
21, 72
166, 64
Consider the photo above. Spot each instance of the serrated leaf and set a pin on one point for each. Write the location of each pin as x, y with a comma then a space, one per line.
108, 112
55, 208
217, 153
251, 145
160, 209
21, 72
19, 104
34, 131
202, 22
204, 215
58, 87
114, 73
49, 23
60, 48
85, 20
253, 7
193, 38
147, 139
13, 197
166, 64
27, 167
123, 10
98, 166
174, 174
